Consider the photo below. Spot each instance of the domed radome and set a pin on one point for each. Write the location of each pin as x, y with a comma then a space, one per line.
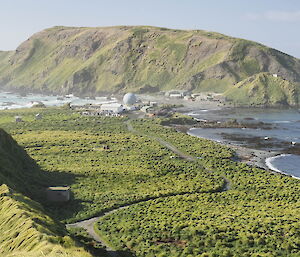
129, 99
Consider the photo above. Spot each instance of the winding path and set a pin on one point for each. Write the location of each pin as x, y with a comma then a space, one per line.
163, 142
89, 224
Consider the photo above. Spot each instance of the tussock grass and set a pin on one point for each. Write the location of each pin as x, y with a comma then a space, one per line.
27, 231
264, 90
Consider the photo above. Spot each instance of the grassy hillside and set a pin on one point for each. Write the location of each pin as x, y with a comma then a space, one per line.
20, 172
264, 89
27, 231
17, 169
137, 58
25, 228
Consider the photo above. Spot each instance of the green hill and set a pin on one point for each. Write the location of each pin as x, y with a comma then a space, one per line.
17, 169
264, 89
137, 58
27, 231
21, 173
25, 228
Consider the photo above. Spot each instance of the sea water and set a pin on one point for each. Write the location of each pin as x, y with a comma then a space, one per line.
283, 137
13, 101
285, 163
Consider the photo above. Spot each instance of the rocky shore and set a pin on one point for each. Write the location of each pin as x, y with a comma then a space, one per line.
252, 156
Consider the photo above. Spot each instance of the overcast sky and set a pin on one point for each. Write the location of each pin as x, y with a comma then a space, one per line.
274, 23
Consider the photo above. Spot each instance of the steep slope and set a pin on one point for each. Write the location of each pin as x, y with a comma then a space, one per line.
27, 231
19, 171
25, 228
264, 89
137, 58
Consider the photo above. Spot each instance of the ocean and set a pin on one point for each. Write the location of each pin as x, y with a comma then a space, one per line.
13, 101
281, 136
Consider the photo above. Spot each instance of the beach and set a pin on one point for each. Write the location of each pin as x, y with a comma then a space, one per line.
250, 156
253, 157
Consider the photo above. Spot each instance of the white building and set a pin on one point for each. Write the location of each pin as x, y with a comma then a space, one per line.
112, 107
153, 104
175, 95
129, 99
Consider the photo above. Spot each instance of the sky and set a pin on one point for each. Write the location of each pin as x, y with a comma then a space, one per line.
274, 23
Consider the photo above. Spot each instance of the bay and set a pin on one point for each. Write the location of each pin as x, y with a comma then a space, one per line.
283, 137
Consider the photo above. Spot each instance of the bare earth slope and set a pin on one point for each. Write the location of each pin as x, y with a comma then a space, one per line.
137, 58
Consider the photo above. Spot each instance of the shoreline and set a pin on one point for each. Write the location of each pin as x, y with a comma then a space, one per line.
244, 154
253, 157
277, 170
250, 156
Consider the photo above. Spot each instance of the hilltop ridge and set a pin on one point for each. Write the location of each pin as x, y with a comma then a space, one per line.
87, 61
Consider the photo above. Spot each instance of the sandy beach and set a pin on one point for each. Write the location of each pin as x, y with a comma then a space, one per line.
187, 105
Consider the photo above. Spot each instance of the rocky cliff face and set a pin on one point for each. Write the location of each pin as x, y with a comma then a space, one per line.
139, 59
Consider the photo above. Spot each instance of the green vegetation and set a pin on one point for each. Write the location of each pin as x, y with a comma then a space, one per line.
264, 89
27, 231
250, 66
207, 206
257, 217
178, 118
85, 61
200, 148
214, 85
206, 225
134, 167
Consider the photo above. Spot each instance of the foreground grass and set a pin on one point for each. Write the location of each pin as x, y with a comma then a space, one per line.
134, 168
206, 225
27, 231
177, 207
258, 216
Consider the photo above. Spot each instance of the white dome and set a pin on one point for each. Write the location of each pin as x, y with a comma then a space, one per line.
129, 99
